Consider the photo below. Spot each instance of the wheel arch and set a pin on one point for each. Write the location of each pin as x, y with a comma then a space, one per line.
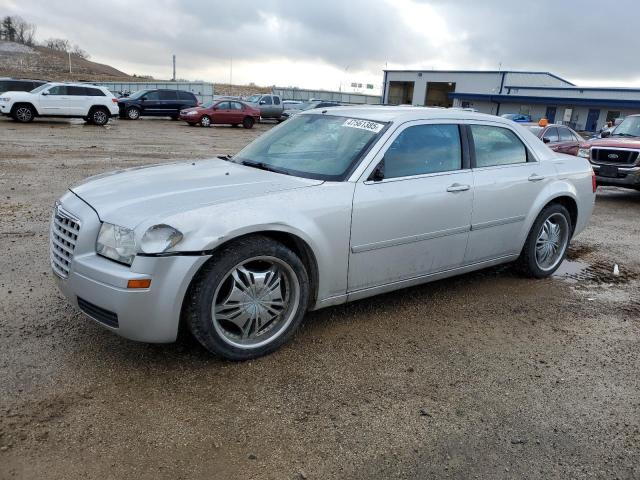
28, 104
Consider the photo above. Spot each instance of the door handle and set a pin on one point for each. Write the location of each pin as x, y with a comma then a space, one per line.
457, 187
534, 177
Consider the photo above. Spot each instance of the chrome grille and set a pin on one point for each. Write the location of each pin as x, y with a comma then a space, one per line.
613, 155
64, 235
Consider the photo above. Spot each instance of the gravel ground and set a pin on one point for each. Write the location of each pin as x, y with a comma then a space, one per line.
487, 375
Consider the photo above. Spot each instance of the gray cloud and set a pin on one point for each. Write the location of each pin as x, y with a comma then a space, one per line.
588, 39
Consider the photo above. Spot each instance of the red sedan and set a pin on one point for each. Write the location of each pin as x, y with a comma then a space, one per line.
558, 138
221, 112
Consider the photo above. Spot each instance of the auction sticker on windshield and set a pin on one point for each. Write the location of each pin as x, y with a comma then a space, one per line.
363, 124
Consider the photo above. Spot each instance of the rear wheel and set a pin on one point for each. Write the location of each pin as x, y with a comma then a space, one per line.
249, 299
133, 113
99, 116
205, 121
248, 122
547, 242
23, 113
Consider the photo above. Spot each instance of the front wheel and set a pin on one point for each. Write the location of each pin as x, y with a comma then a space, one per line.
24, 114
205, 121
249, 299
248, 122
547, 242
133, 113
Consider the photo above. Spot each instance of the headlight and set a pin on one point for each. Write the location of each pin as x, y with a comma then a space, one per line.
160, 238
192, 113
584, 153
116, 243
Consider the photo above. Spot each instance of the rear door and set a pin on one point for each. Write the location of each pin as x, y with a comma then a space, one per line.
414, 221
169, 102
79, 100
236, 114
507, 178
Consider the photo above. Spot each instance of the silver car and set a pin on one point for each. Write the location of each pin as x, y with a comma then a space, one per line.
329, 207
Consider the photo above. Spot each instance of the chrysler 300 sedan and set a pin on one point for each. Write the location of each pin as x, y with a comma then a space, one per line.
331, 206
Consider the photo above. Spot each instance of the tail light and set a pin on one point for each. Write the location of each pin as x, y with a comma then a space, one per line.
114, 100
594, 184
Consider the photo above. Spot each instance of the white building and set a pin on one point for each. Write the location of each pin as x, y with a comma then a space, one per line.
539, 94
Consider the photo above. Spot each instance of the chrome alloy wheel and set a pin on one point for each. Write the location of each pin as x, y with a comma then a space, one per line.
205, 121
99, 117
255, 302
24, 114
552, 241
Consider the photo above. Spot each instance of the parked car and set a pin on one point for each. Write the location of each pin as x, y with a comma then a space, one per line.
156, 103
517, 117
329, 207
558, 138
270, 106
95, 104
19, 84
616, 158
221, 112
310, 105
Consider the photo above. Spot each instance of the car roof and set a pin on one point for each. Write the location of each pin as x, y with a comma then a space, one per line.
382, 113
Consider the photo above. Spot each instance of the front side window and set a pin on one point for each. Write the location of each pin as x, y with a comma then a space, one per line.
223, 106
566, 135
152, 95
58, 90
323, 147
267, 100
424, 149
551, 134
497, 146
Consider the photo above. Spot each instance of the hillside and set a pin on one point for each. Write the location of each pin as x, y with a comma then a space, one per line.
18, 60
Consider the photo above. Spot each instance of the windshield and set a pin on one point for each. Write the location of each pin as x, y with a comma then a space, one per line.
535, 130
40, 88
138, 94
630, 127
254, 98
323, 147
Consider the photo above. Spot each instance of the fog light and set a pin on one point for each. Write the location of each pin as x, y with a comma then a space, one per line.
143, 283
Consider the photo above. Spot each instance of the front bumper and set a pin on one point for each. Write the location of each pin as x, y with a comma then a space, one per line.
4, 108
628, 177
146, 315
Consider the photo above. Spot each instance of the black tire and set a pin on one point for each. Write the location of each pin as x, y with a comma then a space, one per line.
23, 113
99, 116
175, 117
133, 113
212, 278
529, 263
248, 122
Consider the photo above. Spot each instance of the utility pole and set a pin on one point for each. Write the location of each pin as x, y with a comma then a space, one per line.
174, 67
69, 53
231, 77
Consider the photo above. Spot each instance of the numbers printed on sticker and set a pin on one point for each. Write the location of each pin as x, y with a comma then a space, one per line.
363, 124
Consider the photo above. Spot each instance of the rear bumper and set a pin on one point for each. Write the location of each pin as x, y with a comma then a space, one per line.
627, 177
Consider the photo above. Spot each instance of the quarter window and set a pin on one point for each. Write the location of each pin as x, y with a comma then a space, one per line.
566, 135
497, 146
424, 149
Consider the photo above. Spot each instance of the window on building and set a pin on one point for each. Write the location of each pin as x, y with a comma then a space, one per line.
437, 94
497, 146
424, 149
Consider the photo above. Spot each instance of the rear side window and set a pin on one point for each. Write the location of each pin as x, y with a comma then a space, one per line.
497, 146
552, 134
267, 100
566, 135
186, 96
168, 95
94, 92
424, 149
236, 106
76, 91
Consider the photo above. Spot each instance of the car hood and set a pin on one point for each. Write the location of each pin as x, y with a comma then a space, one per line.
620, 142
129, 197
16, 93
193, 109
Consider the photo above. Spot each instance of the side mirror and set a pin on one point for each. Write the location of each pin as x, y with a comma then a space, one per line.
605, 134
262, 102
45, 93
546, 140
378, 173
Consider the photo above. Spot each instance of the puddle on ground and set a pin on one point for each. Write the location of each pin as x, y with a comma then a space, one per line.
572, 271
599, 272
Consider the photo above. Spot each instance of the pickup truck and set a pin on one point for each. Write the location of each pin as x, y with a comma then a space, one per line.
270, 106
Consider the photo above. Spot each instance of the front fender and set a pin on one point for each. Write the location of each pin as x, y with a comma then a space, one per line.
320, 216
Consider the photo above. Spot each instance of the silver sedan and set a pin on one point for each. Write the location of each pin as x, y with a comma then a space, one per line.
329, 207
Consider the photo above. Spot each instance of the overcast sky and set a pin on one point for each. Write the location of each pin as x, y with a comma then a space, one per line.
331, 43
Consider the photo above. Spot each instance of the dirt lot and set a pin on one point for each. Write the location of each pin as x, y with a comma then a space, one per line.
487, 375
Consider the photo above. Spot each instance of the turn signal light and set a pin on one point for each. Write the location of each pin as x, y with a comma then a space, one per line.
144, 283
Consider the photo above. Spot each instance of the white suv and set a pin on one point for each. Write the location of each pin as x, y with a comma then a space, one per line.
95, 104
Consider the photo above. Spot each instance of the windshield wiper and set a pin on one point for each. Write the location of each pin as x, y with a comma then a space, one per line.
622, 134
262, 166
225, 157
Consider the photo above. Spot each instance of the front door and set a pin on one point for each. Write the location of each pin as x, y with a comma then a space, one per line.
551, 114
55, 101
506, 181
222, 113
592, 120
414, 218
151, 104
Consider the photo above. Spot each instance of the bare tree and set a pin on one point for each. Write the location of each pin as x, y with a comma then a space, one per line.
79, 52
25, 31
59, 44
